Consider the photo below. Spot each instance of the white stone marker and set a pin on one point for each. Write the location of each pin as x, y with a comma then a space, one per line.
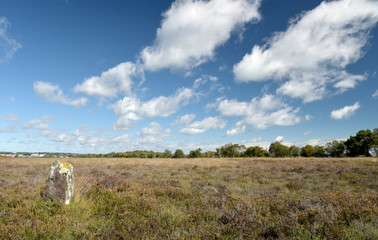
60, 184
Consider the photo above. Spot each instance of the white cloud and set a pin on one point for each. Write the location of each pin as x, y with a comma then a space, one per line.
95, 141
184, 120
314, 142
314, 51
123, 124
153, 128
41, 125
8, 45
375, 95
260, 113
52, 93
204, 125
13, 127
345, 112
111, 82
152, 135
279, 139
11, 117
191, 30
239, 128
133, 109
9, 129
308, 117
38, 123
307, 133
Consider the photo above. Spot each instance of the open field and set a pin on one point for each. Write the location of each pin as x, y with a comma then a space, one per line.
194, 199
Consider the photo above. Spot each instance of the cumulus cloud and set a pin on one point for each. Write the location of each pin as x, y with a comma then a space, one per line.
206, 124
153, 128
53, 93
184, 120
94, 139
41, 125
111, 82
314, 51
152, 134
38, 123
345, 112
123, 123
8, 45
132, 109
239, 128
191, 31
260, 113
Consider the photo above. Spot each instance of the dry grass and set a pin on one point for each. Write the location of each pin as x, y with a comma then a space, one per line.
194, 199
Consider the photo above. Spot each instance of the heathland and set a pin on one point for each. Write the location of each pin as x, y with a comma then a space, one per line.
220, 198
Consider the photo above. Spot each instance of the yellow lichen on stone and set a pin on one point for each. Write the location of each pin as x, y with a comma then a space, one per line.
64, 165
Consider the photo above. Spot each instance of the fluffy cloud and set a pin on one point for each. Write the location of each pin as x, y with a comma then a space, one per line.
260, 113
314, 50
184, 120
111, 82
153, 128
93, 139
38, 123
8, 45
191, 30
152, 135
239, 128
123, 124
133, 109
41, 125
52, 93
345, 112
204, 125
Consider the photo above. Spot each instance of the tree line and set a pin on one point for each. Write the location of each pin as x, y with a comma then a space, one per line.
364, 143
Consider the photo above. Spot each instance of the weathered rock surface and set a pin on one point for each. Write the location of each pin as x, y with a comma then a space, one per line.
60, 184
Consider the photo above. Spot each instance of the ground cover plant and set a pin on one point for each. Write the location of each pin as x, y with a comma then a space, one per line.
288, 198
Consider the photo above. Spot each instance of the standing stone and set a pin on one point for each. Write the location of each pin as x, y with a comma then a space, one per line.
60, 185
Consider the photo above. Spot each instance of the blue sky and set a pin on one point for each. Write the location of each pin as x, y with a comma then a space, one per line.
94, 76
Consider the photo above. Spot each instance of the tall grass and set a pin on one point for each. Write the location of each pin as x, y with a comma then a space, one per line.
194, 199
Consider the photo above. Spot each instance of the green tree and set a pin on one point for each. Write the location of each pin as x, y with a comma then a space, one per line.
295, 151
335, 149
231, 150
360, 144
277, 149
375, 136
179, 154
195, 153
319, 151
209, 154
255, 151
307, 151
167, 154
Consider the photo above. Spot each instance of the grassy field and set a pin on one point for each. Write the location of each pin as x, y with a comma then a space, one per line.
194, 199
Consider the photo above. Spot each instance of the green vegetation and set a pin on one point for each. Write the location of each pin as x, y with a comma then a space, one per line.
234, 198
365, 143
